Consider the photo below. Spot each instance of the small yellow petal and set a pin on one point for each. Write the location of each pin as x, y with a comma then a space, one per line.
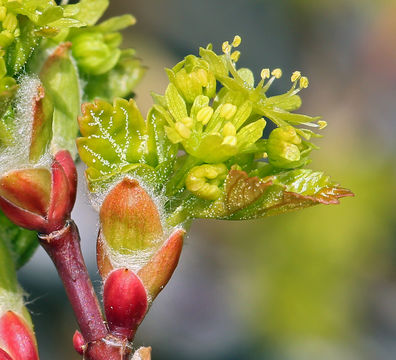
322, 124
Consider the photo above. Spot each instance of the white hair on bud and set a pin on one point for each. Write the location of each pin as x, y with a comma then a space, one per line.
11, 301
16, 155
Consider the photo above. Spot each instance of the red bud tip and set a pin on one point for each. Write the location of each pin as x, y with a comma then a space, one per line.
4, 355
17, 338
158, 271
78, 342
125, 302
64, 158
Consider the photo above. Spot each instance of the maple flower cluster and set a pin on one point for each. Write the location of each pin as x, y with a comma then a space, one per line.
202, 146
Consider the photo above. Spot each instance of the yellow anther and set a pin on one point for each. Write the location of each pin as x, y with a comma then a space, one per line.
10, 22
304, 82
230, 140
3, 13
229, 129
202, 76
295, 76
204, 115
265, 73
237, 41
226, 47
228, 111
265, 155
277, 73
322, 124
204, 180
235, 56
187, 121
183, 130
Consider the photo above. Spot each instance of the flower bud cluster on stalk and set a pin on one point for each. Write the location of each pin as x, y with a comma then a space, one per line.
203, 151
52, 58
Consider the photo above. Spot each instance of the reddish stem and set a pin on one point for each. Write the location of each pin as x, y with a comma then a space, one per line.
63, 247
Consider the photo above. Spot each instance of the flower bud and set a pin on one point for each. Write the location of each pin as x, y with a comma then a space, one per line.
158, 271
129, 219
192, 78
284, 147
78, 342
16, 338
95, 54
125, 302
37, 198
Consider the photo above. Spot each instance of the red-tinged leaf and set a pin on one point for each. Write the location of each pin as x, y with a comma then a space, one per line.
28, 189
125, 302
158, 271
42, 125
17, 337
242, 190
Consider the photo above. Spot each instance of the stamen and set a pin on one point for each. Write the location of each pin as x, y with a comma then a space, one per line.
322, 124
228, 111
237, 41
304, 82
277, 73
235, 56
229, 129
183, 130
265, 73
204, 115
226, 47
295, 76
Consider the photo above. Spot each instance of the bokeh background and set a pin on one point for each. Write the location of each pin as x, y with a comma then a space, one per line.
318, 284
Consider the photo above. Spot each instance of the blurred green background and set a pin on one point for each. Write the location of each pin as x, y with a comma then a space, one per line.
318, 284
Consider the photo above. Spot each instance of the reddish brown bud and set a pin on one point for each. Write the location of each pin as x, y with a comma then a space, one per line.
4, 355
39, 199
17, 338
125, 302
29, 189
78, 342
158, 271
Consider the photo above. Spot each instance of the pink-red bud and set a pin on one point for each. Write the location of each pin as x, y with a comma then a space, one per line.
158, 271
40, 199
4, 355
125, 302
78, 342
17, 338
